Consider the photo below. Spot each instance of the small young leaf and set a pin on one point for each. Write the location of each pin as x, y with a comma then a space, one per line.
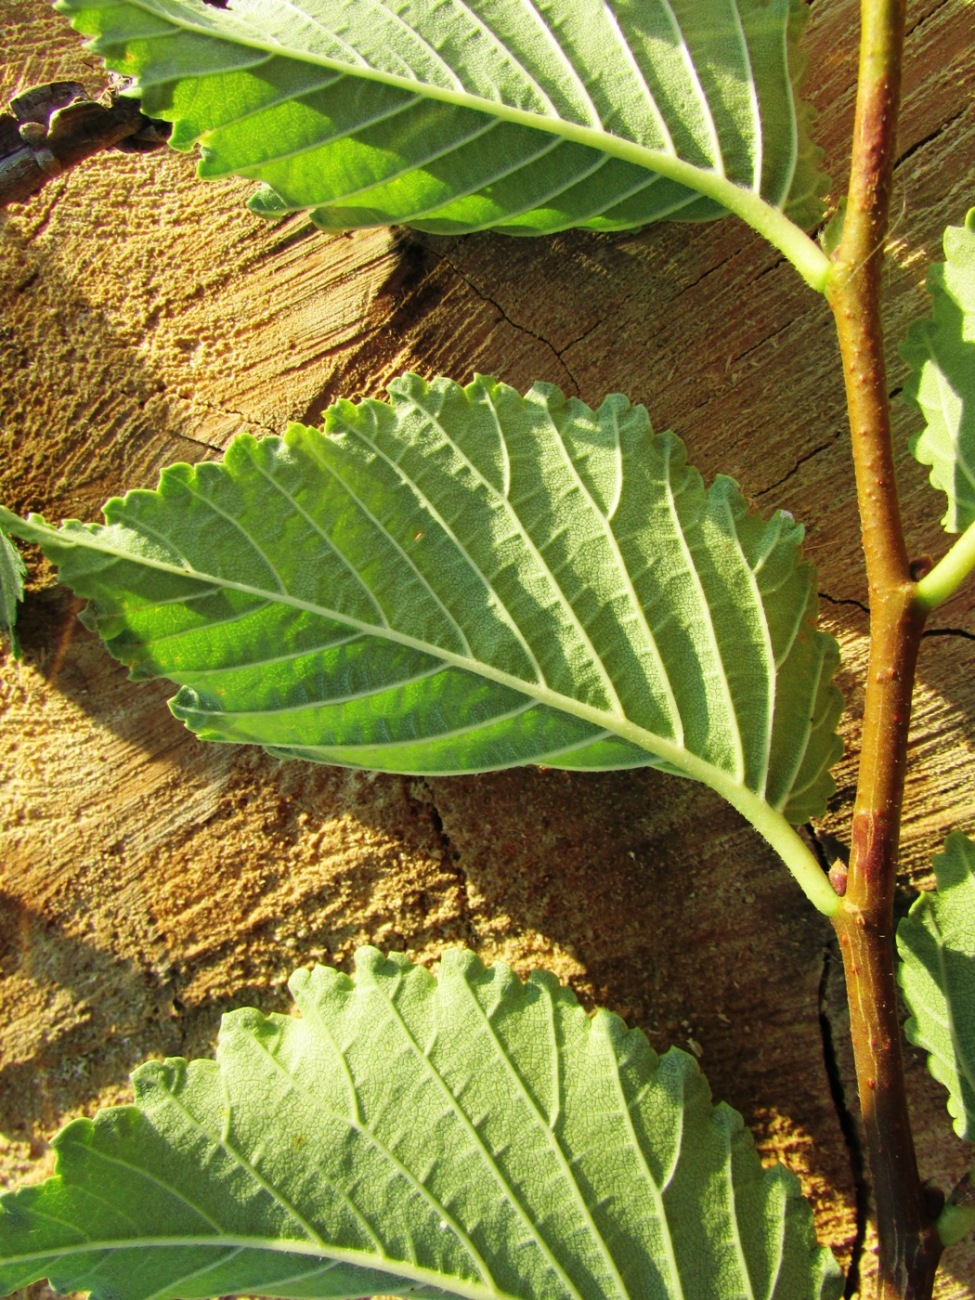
936, 942
474, 1137
464, 580
12, 573
955, 1223
451, 117
941, 353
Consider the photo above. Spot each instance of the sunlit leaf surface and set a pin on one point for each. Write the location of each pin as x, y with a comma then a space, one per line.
936, 942
466, 579
526, 116
941, 352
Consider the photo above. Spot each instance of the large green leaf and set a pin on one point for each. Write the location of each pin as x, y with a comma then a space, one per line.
936, 941
466, 579
474, 1136
527, 116
12, 573
941, 353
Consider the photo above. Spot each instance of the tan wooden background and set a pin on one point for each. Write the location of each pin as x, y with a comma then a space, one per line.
150, 882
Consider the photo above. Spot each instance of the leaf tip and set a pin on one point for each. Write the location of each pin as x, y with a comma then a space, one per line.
12, 574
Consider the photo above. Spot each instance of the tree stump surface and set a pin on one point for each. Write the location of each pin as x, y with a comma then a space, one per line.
150, 882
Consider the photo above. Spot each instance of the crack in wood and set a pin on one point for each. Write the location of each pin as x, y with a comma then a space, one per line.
924, 19
200, 442
846, 1117
846, 1120
948, 631
420, 797
940, 130
522, 329
798, 464
229, 412
844, 600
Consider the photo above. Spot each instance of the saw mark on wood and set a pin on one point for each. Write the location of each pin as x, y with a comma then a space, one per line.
292, 235
403, 299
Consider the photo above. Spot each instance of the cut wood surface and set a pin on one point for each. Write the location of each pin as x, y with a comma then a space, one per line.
150, 882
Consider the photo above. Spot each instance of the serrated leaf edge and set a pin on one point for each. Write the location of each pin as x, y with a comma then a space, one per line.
763, 216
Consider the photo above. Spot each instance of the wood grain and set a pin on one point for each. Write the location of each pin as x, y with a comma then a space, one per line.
150, 882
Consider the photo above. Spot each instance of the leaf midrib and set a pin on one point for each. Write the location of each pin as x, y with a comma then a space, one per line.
767, 819
710, 183
276, 1245
617, 724
315, 1245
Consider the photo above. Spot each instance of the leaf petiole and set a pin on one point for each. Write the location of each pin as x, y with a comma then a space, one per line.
788, 844
949, 573
782, 233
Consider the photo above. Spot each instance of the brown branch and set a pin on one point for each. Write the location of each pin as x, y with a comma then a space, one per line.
54, 127
909, 1247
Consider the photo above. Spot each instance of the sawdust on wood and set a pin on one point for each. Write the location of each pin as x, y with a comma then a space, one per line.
150, 882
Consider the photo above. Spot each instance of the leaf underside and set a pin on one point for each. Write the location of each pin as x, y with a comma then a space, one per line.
471, 1136
936, 942
941, 353
466, 579
12, 572
526, 117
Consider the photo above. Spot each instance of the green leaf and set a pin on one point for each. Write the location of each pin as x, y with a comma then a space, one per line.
12, 573
526, 117
955, 1223
936, 942
475, 1136
464, 580
941, 353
